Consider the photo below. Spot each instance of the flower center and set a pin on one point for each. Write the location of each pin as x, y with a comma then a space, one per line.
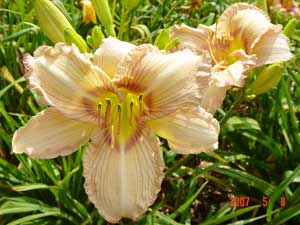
120, 114
223, 48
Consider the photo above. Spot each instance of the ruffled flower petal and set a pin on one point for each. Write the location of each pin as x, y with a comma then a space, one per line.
235, 23
213, 97
50, 134
192, 38
272, 47
123, 181
188, 131
67, 80
110, 53
232, 76
166, 81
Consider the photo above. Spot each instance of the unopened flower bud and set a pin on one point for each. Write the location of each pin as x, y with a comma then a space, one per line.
103, 12
290, 27
71, 36
267, 79
162, 39
172, 43
51, 20
97, 36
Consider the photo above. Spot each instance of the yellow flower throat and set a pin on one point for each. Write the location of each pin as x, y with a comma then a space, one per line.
120, 114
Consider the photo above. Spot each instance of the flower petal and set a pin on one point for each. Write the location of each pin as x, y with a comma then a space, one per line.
123, 181
234, 22
188, 130
165, 80
213, 97
272, 47
233, 76
110, 53
50, 134
67, 80
192, 38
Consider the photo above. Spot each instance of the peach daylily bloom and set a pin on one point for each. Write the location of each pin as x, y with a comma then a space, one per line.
118, 101
242, 38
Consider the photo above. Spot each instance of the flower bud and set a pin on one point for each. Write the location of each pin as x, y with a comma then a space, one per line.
103, 12
162, 39
290, 27
71, 36
51, 20
267, 79
172, 43
97, 36
88, 12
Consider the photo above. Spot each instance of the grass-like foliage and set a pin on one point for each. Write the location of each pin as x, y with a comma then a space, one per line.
253, 178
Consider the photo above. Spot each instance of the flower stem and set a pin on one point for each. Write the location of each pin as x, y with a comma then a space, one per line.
122, 23
229, 113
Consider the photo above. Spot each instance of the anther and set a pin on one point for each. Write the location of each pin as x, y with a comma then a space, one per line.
99, 113
130, 113
140, 102
119, 119
140, 98
107, 113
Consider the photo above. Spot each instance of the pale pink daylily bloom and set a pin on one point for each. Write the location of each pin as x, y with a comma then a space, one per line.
242, 38
119, 101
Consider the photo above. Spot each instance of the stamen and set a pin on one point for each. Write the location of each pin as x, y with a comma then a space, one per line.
140, 102
112, 145
119, 119
140, 98
211, 53
107, 113
99, 112
131, 113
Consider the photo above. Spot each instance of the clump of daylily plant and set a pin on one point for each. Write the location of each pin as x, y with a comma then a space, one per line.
120, 97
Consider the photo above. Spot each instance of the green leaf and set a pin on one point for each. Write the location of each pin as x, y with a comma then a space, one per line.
285, 215
215, 221
33, 217
241, 123
188, 202
278, 190
166, 219
247, 178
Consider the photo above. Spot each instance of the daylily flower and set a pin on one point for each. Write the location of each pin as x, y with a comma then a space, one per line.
118, 101
242, 38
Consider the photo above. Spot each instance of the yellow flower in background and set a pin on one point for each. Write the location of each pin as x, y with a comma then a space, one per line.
88, 12
242, 38
118, 101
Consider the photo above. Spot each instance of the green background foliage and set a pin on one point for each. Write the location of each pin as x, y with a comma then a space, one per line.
259, 145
